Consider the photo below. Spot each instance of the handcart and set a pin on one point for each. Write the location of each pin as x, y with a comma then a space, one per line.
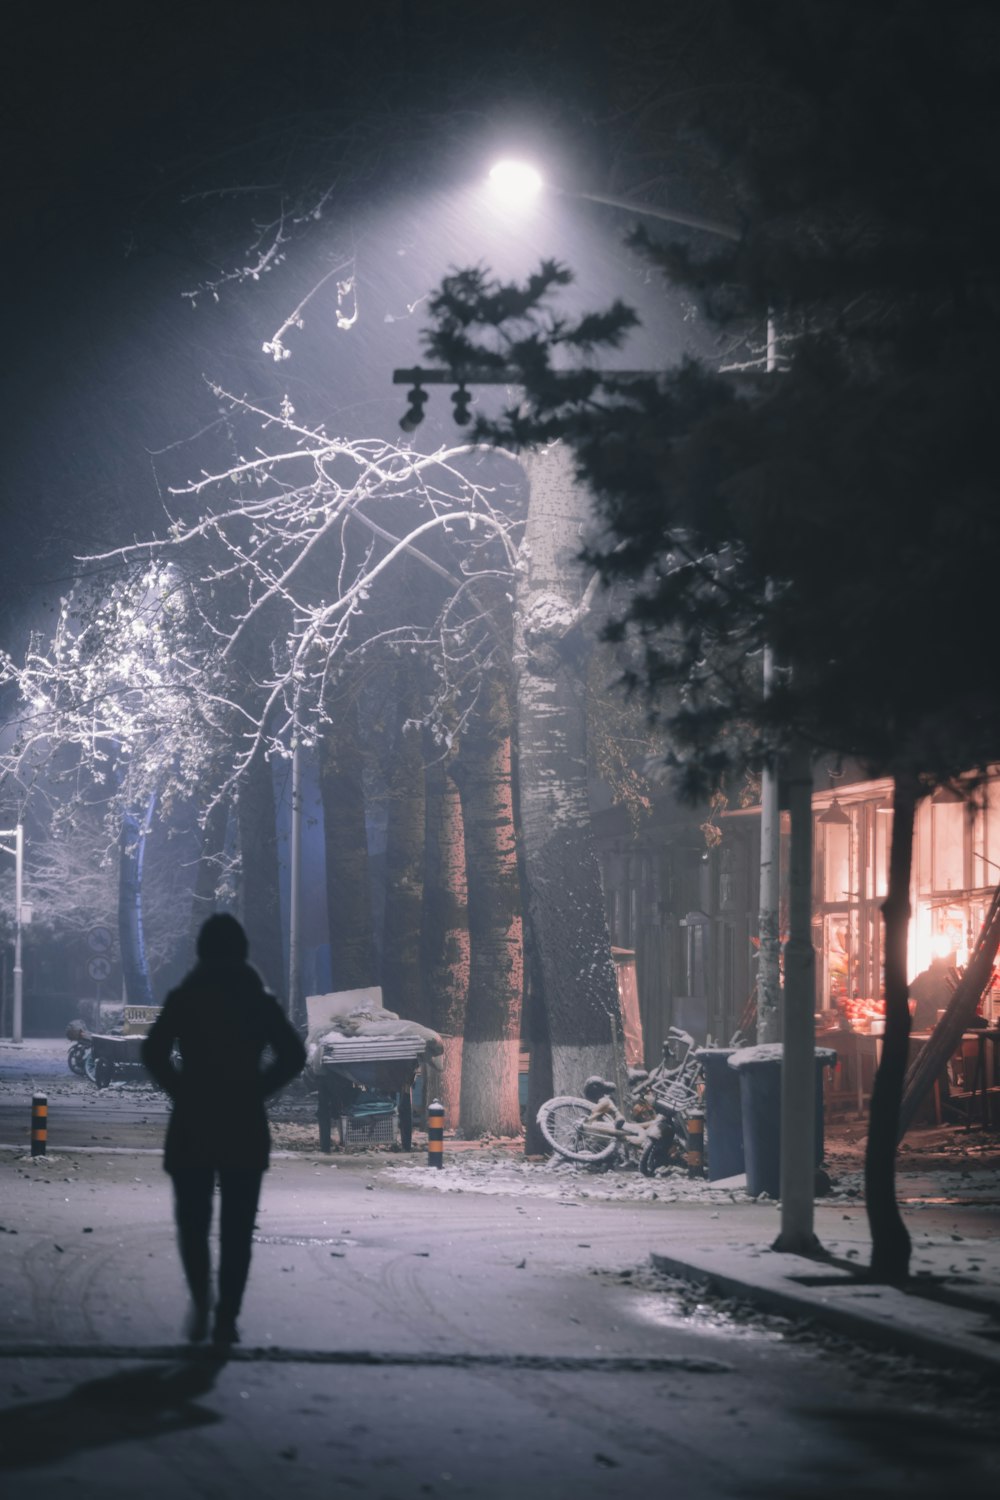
365, 1084
117, 1058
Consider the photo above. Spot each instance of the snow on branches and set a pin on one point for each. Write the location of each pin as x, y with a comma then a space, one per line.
179, 659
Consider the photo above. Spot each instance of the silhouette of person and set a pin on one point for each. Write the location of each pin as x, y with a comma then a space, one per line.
930, 991
222, 1020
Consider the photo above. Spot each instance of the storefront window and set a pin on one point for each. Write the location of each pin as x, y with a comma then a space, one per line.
986, 844
836, 954
882, 817
948, 845
837, 882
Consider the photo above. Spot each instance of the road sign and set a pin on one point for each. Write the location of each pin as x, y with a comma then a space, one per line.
99, 968
99, 939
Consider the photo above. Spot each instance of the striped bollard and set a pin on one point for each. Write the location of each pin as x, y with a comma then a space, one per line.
435, 1134
39, 1123
695, 1154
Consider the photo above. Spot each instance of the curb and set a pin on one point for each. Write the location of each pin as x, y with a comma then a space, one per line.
809, 1290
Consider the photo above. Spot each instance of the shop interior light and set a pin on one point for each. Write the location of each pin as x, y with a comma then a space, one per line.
834, 814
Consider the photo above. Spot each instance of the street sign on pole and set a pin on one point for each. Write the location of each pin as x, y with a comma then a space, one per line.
99, 968
99, 939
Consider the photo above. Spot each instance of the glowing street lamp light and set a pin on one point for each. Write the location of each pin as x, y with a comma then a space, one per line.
516, 182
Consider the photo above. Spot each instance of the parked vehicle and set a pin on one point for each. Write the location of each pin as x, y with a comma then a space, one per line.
594, 1130
80, 1055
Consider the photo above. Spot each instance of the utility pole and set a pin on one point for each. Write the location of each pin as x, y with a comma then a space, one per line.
17, 834
769, 952
768, 933
798, 1063
295, 891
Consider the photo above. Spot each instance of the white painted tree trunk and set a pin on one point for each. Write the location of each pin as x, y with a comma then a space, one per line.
444, 938
572, 963
482, 772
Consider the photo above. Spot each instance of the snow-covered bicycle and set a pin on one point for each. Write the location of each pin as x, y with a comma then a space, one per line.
594, 1131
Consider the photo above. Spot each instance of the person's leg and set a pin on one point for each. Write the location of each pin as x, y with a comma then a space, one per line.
240, 1194
193, 1214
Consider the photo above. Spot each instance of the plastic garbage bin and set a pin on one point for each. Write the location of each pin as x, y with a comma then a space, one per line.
723, 1113
759, 1072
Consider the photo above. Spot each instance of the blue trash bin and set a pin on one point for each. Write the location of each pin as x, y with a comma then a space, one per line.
759, 1072
723, 1113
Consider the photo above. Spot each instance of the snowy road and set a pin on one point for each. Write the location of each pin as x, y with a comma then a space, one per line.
403, 1343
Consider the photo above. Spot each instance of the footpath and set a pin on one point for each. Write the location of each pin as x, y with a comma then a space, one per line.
948, 1189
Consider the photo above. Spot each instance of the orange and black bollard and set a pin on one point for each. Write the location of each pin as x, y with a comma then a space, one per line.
695, 1153
435, 1134
39, 1123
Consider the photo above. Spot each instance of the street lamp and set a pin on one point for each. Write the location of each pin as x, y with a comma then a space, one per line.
519, 183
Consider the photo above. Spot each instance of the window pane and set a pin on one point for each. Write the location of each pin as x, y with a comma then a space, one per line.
948, 845
883, 837
836, 861
989, 873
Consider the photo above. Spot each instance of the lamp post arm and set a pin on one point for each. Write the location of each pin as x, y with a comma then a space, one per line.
672, 216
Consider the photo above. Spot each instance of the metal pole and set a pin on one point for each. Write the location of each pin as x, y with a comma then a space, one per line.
18, 893
798, 1065
670, 216
295, 893
769, 953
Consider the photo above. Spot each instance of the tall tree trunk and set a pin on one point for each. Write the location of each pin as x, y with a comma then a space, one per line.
890, 1239
131, 849
348, 887
482, 772
204, 897
444, 936
404, 858
260, 906
574, 976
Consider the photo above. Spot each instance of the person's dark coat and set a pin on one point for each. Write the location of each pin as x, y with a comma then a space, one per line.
223, 1020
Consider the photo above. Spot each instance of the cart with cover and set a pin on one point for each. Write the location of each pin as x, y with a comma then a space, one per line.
365, 1060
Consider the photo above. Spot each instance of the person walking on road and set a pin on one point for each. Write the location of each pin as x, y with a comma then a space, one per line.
222, 1020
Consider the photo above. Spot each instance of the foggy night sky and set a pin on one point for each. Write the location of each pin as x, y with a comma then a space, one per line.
117, 113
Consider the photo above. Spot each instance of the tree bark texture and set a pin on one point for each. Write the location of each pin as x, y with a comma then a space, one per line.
444, 936
890, 1238
345, 839
482, 772
574, 973
260, 908
402, 991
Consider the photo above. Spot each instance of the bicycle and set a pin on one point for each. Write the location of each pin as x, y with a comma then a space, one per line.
593, 1130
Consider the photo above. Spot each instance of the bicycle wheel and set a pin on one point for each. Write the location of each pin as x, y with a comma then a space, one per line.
77, 1053
656, 1154
562, 1122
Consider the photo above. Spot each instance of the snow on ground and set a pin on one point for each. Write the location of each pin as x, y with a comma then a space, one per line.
497, 1172
930, 1188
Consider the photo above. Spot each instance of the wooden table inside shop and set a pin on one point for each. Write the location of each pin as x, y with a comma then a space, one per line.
972, 1074
857, 1059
